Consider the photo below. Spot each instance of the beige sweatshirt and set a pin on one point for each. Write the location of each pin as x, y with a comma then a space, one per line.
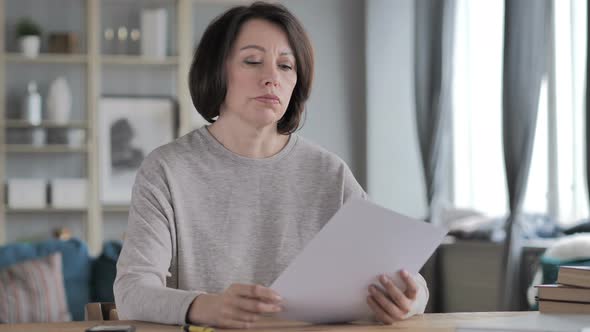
202, 218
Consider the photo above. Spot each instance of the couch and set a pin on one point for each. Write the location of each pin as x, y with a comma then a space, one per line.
86, 278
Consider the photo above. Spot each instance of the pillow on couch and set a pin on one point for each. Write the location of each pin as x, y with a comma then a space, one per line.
33, 291
76, 267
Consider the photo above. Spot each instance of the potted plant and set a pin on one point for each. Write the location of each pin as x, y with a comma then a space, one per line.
28, 34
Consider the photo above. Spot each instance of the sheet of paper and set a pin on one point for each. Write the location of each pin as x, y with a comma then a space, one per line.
328, 281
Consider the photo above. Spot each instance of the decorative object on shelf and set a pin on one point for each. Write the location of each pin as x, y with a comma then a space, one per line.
28, 34
76, 137
122, 34
39, 137
32, 114
153, 32
129, 128
27, 193
57, 136
68, 193
109, 37
62, 233
109, 34
63, 42
135, 36
32, 105
59, 101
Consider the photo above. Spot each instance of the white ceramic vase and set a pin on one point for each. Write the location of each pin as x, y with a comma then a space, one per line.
59, 101
29, 46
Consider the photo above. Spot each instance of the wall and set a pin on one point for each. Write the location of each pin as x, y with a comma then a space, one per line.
337, 113
394, 169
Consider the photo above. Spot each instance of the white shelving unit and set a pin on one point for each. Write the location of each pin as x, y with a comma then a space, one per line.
137, 60
47, 58
53, 148
94, 61
45, 124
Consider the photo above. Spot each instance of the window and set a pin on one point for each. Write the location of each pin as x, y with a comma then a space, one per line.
556, 184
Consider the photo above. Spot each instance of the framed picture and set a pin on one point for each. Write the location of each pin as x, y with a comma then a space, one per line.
129, 128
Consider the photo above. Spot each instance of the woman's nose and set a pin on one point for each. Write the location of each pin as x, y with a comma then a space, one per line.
271, 77
271, 82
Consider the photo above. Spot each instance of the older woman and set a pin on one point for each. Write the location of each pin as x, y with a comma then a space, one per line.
219, 213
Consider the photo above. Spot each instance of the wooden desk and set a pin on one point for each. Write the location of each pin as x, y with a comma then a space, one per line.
420, 323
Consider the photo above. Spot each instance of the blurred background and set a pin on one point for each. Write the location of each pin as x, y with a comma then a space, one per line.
467, 114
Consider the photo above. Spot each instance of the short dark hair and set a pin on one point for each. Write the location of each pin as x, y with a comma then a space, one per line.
207, 77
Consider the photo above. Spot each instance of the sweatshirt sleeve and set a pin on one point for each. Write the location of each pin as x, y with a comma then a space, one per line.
421, 298
140, 286
350, 186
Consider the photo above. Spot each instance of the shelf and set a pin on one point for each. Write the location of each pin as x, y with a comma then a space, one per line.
115, 208
24, 148
45, 124
47, 58
224, 2
46, 210
138, 60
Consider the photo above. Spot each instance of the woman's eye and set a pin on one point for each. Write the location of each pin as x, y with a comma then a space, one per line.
250, 62
285, 67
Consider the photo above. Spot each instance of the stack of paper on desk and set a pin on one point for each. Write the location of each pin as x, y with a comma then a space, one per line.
328, 281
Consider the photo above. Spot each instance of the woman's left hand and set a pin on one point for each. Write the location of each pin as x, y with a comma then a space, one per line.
392, 304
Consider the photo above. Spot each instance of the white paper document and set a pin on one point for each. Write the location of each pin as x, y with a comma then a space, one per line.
328, 281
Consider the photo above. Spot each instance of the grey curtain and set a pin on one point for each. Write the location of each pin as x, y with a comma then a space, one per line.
433, 68
525, 53
433, 55
587, 99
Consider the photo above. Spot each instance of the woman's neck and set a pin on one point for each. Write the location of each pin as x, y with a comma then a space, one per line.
247, 141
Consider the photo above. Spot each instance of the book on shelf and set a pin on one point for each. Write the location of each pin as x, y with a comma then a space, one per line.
563, 293
574, 276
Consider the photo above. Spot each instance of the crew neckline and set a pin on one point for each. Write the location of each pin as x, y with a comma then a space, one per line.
222, 150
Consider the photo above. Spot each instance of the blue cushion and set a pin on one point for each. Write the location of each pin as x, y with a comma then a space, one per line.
76, 267
104, 271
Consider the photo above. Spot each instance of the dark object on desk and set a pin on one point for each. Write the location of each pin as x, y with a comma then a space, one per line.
111, 328
63, 42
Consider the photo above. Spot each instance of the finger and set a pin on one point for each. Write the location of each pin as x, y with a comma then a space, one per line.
411, 286
380, 314
396, 294
240, 315
386, 304
257, 291
255, 306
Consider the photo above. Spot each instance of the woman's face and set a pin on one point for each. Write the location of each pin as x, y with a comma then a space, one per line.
261, 74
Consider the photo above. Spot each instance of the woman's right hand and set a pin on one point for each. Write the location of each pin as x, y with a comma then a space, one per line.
237, 307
